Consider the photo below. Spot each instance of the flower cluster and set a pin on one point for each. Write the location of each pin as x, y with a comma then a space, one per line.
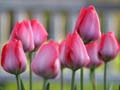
84, 47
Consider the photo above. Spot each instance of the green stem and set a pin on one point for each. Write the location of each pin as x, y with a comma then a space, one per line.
73, 80
30, 70
119, 87
61, 78
18, 82
92, 77
105, 76
44, 84
81, 77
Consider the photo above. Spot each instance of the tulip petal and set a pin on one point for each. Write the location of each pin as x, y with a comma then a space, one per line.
13, 59
82, 13
44, 62
109, 47
92, 49
23, 31
75, 52
88, 24
39, 32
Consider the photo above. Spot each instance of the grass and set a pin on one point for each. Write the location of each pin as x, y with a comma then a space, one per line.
54, 86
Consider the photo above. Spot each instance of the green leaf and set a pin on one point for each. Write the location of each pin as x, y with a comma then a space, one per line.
22, 85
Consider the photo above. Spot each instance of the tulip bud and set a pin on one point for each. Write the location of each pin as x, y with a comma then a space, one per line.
45, 62
109, 47
92, 50
39, 32
13, 59
74, 52
23, 31
88, 25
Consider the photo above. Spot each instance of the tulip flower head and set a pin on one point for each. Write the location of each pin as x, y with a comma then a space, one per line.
23, 31
109, 47
39, 32
45, 62
13, 59
88, 25
62, 53
92, 50
74, 52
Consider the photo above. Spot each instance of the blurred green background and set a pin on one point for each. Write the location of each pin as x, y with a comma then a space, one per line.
56, 86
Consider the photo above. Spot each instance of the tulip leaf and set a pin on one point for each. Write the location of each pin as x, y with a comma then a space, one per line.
22, 85
47, 86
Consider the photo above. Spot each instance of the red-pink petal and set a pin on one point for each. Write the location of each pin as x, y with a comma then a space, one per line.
44, 62
92, 50
23, 31
109, 47
75, 52
88, 24
39, 32
13, 58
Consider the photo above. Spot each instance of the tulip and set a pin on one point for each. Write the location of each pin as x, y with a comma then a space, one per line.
109, 47
108, 50
46, 62
39, 32
88, 24
92, 50
95, 61
23, 31
13, 59
62, 52
74, 54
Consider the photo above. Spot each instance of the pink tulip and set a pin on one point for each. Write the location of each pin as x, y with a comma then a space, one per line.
88, 25
13, 59
74, 54
62, 52
92, 50
45, 62
23, 31
109, 47
39, 32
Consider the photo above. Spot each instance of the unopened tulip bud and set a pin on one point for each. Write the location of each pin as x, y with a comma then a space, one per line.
23, 31
92, 50
88, 24
46, 62
109, 47
13, 59
39, 32
74, 52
